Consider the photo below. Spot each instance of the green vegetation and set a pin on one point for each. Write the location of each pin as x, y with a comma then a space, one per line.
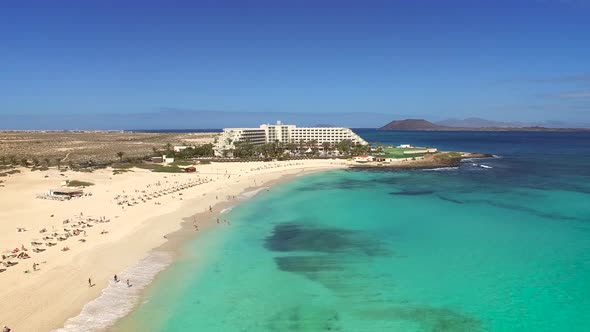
167, 169
77, 183
282, 150
398, 153
182, 163
205, 150
447, 156
121, 171
125, 167
10, 172
39, 168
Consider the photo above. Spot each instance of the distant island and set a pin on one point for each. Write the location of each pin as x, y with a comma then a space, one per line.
468, 125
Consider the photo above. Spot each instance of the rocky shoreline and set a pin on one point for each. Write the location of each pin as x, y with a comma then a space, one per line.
436, 160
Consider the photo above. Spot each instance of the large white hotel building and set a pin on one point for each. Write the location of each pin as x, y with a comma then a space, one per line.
268, 133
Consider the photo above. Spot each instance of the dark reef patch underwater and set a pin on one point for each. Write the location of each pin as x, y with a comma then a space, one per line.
287, 237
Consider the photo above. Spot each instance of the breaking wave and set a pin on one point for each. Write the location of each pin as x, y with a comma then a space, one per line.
117, 300
439, 169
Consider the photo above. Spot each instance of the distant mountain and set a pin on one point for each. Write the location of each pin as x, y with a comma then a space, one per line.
483, 123
475, 123
471, 124
412, 124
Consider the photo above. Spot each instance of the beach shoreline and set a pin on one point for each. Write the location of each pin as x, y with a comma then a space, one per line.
43, 300
136, 212
206, 221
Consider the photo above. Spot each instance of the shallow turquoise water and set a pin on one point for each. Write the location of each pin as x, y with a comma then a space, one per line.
385, 251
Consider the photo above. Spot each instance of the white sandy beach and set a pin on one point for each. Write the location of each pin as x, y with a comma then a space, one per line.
42, 300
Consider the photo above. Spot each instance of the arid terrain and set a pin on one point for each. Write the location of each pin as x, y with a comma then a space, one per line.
90, 145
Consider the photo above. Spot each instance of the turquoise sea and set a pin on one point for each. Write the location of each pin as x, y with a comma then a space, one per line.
503, 248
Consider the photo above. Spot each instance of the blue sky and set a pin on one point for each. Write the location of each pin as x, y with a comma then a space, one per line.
204, 64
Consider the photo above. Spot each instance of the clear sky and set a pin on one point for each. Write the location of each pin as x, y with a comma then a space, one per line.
202, 64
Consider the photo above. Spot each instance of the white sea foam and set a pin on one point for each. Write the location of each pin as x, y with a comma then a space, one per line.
251, 193
439, 169
225, 210
117, 300
485, 166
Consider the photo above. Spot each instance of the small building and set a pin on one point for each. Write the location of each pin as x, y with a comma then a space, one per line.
178, 148
167, 160
190, 169
66, 192
157, 160
405, 146
363, 159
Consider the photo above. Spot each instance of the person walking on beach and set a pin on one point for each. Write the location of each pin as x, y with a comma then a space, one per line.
128, 283
89, 282
115, 278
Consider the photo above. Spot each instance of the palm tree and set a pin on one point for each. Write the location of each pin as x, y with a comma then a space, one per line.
326, 146
3, 160
13, 160
46, 161
344, 146
291, 146
24, 162
169, 150
313, 145
301, 145
120, 154
58, 162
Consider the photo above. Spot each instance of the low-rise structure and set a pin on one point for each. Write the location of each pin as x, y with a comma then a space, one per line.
65, 193
178, 148
363, 159
421, 151
167, 160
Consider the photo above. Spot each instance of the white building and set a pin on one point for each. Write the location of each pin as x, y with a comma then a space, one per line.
178, 148
279, 132
167, 160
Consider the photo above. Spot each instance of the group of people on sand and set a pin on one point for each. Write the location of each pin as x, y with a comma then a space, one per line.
115, 279
75, 226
